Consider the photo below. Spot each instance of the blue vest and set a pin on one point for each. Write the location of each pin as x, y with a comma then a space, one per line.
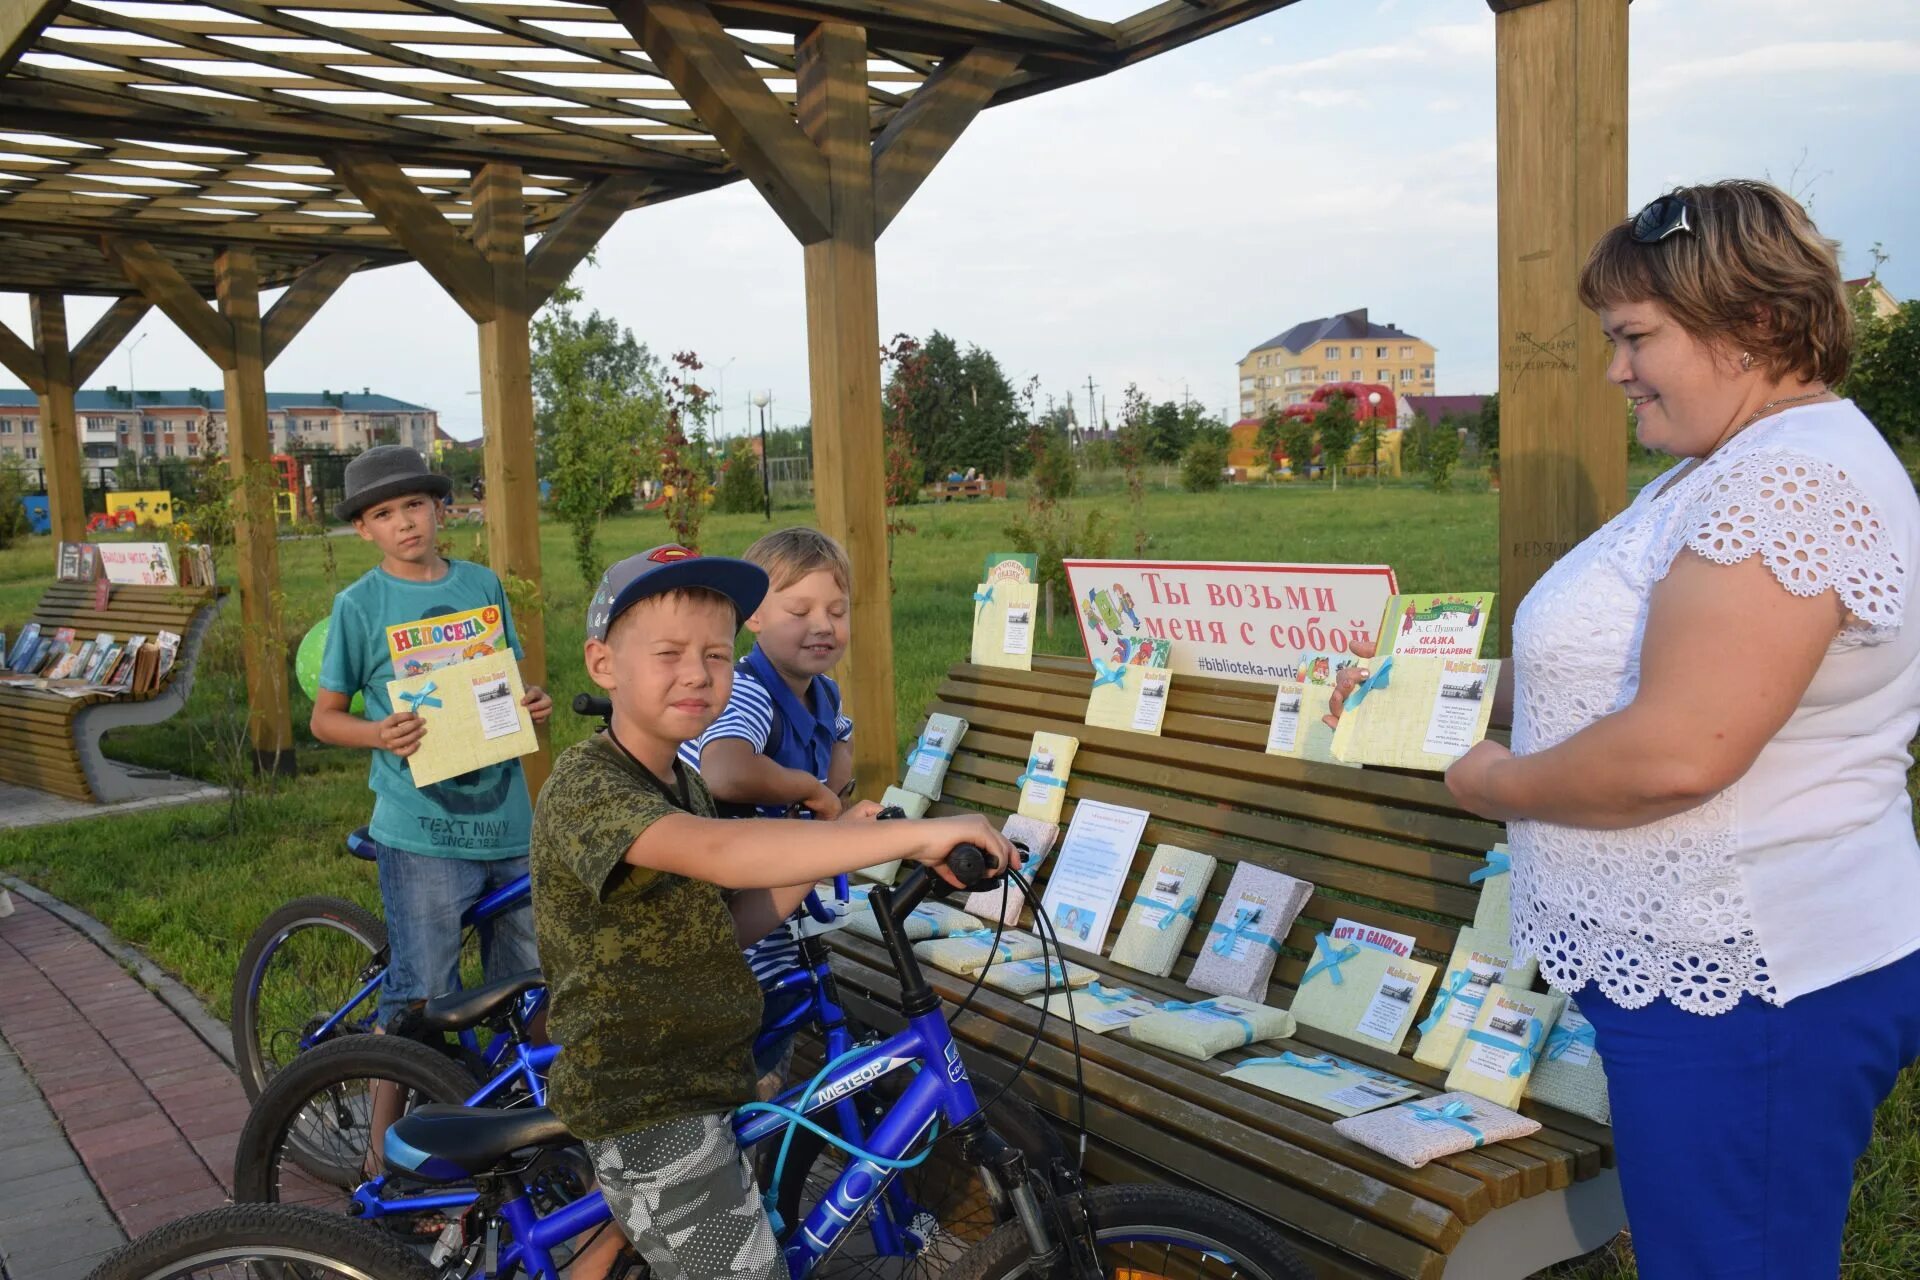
802, 733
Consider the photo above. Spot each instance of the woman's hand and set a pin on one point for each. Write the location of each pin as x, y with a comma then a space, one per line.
936, 838
1470, 778
1346, 680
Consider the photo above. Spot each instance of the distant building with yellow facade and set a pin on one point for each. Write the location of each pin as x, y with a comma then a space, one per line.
1287, 368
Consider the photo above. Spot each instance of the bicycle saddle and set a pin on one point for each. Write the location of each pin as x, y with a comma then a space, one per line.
458, 1010
439, 1143
360, 844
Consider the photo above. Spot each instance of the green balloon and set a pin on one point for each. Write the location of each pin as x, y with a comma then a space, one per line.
306, 664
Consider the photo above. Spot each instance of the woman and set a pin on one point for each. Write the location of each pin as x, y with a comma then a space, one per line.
1713, 850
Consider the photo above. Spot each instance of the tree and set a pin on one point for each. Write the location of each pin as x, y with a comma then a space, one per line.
1296, 440
1268, 440
957, 408
1168, 432
1432, 450
1486, 430
598, 417
1053, 470
1131, 444
13, 511
1202, 465
683, 452
739, 491
1337, 427
1885, 379
1372, 427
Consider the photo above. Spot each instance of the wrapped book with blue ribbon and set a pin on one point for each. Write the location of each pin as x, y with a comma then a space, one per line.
968, 953
928, 920
1043, 783
1508, 1037
1481, 960
1097, 1007
1174, 882
1007, 901
1131, 686
1024, 977
931, 754
914, 805
1207, 1028
1419, 1132
1569, 1074
1003, 624
473, 715
1324, 1081
1361, 992
1494, 911
1243, 942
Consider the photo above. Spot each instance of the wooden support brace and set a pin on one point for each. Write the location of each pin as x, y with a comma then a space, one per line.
573, 234
923, 131
21, 360
699, 58
167, 289
303, 298
108, 332
21, 22
391, 196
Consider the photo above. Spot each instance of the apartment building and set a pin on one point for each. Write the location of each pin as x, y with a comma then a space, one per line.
192, 423
1286, 369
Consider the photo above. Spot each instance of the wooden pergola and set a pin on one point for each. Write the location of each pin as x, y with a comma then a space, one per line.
186, 156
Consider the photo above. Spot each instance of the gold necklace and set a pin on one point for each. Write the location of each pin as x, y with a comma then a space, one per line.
1693, 464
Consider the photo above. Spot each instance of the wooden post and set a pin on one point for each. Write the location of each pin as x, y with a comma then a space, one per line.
1561, 80
506, 402
255, 532
843, 365
59, 432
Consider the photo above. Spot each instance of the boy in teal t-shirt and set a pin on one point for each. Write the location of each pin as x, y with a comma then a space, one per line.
443, 847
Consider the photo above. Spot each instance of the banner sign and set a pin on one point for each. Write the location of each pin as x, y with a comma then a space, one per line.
1232, 620
140, 564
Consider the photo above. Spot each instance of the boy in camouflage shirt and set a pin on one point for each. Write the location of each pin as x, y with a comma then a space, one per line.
642, 902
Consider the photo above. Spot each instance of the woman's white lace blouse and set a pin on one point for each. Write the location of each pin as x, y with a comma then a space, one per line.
1806, 870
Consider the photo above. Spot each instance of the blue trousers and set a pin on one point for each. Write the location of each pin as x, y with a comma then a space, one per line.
423, 896
1736, 1135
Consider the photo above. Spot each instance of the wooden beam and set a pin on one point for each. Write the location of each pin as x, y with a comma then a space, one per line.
1175, 23
303, 298
21, 360
750, 121
391, 196
108, 332
843, 365
256, 544
573, 234
1561, 109
506, 404
940, 24
922, 132
21, 22
59, 432
167, 289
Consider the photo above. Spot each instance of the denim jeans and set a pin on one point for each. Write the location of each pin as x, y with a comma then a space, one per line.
423, 897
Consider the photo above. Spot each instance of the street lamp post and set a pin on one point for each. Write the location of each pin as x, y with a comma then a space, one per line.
1373, 400
762, 399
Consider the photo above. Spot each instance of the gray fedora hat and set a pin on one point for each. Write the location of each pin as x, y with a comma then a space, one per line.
387, 471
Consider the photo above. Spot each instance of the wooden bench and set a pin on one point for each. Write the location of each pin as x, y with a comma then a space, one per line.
947, 490
52, 743
1382, 847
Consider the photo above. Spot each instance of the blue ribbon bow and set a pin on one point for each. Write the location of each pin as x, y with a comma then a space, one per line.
1169, 914
1033, 774
1455, 988
1455, 1113
1526, 1057
1109, 995
1563, 1039
1230, 936
424, 698
1209, 1008
1335, 957
1378, 680
1288, 1058
1499, 863
981, 599
1114, 673
921, 748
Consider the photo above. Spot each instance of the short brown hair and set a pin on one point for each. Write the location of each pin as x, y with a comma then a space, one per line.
789, 555
688, 595
1753, 273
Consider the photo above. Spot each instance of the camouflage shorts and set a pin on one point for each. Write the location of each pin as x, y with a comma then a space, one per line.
685, 1195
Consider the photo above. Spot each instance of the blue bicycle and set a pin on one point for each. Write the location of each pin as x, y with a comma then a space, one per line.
1050, 1227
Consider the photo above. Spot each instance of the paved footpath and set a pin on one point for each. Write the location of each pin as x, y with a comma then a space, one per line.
117, 1116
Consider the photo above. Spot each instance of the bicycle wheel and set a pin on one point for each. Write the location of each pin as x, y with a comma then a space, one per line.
307, 1137
247, 1240
947, 1208
300, 967
1153, 1233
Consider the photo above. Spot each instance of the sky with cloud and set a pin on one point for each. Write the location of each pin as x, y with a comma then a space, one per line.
1154, 225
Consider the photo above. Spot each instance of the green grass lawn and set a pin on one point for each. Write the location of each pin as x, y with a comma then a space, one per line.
188, 885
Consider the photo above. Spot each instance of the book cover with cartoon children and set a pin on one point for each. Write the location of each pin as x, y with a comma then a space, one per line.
418, 647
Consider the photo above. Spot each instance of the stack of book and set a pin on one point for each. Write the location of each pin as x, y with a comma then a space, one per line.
57, 664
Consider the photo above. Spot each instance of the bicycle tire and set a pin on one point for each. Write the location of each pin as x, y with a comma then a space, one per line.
252, 1060
950, 1191
249, 1231
271, 1132
1155, 1216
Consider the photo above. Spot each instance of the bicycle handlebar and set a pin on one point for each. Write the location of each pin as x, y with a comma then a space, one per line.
587, 704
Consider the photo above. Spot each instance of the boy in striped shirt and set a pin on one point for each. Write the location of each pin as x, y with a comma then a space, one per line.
782, 739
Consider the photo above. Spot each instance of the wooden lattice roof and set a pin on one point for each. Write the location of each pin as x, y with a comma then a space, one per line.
197, 125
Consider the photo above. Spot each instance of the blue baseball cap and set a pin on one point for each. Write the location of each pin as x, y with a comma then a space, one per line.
673, 568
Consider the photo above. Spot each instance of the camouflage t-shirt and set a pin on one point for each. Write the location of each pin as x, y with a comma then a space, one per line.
653, 1004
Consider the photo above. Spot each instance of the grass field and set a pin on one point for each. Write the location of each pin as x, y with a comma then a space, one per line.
188, 885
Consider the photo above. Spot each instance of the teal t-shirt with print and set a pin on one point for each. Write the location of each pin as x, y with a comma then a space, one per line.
483, 815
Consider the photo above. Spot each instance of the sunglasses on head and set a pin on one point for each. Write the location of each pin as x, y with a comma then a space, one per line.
1661, 219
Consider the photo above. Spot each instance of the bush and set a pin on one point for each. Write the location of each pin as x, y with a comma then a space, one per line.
1296, 441
1202, 465
1049, 533
1053, 475
740, 492
1432, 451
13, 511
